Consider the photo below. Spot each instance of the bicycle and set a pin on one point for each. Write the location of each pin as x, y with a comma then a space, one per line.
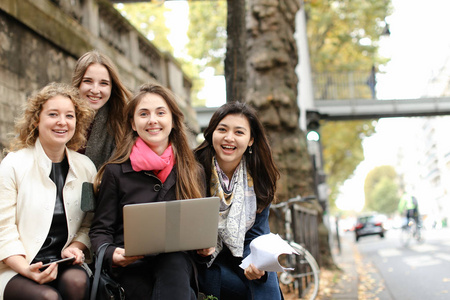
411, 230
305, 271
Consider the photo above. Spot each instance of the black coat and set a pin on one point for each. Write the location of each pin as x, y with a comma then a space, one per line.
120, 186
266, 288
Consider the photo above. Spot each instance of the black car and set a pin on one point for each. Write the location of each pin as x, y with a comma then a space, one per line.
372, 224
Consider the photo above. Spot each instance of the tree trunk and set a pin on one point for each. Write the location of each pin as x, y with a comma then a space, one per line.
272, 89
235, 71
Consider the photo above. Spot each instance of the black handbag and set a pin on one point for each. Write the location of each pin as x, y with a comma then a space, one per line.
103, 286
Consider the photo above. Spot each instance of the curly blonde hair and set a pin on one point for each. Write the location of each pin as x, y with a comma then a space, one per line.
26, 132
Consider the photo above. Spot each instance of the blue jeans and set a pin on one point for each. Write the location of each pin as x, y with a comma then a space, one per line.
232, 283
226, 280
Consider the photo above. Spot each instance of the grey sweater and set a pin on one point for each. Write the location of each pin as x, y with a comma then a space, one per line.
100, 145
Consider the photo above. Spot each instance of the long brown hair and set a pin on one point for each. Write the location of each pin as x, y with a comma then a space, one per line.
119, 93
260, 163
26, 127
188, 184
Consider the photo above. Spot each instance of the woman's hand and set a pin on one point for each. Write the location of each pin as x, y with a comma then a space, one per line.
252, 272
74, 251
206, 252
119, 258
47, 275
21, 266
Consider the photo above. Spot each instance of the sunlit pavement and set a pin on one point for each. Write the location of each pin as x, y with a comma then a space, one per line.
358, 278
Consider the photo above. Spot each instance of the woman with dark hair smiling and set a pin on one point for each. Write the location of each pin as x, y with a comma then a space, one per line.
240, 171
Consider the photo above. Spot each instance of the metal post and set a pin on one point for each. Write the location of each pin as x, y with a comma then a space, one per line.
305, 98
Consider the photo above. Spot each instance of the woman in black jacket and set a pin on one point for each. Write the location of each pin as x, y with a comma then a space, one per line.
153, 163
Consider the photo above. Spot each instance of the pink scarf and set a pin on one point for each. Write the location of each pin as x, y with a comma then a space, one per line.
145, 159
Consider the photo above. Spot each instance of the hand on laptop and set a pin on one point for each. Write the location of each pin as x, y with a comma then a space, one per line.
206, 252
119, 258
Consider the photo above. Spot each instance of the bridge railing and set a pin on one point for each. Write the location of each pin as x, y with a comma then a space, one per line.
346, 85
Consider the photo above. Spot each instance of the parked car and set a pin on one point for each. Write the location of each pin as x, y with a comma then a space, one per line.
370, 224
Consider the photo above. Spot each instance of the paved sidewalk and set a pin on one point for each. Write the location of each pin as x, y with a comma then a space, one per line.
359, 279
347, 285
356, 279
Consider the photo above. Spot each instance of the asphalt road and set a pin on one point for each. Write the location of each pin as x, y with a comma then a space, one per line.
419, 271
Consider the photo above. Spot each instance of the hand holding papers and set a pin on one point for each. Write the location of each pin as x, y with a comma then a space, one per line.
264, 253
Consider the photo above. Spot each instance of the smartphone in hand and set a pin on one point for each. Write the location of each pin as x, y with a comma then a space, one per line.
64, 260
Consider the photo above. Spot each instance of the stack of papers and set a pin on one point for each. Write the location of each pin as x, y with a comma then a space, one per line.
264, 253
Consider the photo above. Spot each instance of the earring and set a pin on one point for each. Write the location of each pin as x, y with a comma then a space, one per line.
250, 150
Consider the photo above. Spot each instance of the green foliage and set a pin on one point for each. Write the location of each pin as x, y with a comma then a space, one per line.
343, 35
208, 33
149, 19
384, 197
342, 150
207, 41
381, 190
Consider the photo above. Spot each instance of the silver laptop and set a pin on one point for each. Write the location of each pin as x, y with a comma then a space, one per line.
170, 226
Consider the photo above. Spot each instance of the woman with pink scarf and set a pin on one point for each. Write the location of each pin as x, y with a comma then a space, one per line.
153, 163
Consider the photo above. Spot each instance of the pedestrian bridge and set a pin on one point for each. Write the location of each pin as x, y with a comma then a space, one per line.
349, 96
345, 96
373, 109
357, 109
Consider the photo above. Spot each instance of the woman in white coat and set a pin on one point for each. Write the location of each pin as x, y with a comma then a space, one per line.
40, 193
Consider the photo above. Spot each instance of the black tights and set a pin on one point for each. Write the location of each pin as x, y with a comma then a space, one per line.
160, 277
72, 283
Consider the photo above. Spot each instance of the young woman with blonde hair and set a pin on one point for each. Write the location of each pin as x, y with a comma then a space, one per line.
40, 189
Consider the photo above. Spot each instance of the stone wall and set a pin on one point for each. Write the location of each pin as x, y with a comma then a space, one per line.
41, 40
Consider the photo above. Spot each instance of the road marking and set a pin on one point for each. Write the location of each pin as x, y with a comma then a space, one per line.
443, 256
389, 252
421, 261
424, 248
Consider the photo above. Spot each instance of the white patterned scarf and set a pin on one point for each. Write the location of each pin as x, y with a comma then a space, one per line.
237, 207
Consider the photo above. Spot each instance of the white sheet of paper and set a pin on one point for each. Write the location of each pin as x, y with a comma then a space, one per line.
264, 253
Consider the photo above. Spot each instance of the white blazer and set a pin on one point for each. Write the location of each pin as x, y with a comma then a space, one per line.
27, 201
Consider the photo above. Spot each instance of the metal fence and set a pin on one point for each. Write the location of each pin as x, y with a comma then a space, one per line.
305, 232
305, 229
350, 85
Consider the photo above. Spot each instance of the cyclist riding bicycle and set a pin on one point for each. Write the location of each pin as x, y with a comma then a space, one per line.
409, 207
